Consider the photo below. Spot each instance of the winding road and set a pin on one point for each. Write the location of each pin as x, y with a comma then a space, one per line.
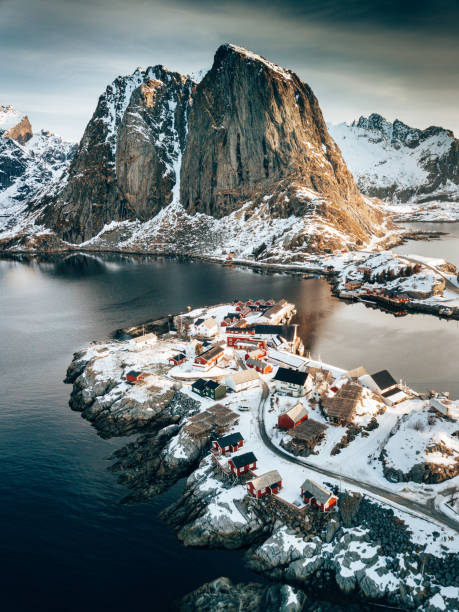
411, 507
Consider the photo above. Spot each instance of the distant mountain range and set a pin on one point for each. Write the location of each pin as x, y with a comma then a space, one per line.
398, 163
240, 161
30, 165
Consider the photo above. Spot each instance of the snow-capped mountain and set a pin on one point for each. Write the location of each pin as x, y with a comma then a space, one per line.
242, 157
398, 163
29, 165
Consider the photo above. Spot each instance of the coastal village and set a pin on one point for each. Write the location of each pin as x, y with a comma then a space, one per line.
383, 279
245, 362
265, 423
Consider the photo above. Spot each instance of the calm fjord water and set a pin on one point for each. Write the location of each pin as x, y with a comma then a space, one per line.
66, 542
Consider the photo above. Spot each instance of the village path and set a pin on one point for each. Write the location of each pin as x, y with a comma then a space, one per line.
416, 509
449, 284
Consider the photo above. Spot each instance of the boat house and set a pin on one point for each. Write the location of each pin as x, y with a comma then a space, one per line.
134, 376
239, 464
228, 444
210, 357
266, 484
317, 495
385, 384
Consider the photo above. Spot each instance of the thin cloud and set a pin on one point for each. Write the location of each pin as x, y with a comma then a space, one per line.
399, 59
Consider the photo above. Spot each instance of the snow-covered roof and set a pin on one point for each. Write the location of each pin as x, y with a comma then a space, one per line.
320, 493
289, 359
145, 338
298, 412
243, 376
266, 480
357, 372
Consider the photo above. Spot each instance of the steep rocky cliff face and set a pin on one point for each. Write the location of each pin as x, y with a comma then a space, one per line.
127, 162
398, 163
252, 125
244, 157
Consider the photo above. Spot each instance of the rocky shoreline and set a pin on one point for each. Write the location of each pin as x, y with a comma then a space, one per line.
332, 276
364, 551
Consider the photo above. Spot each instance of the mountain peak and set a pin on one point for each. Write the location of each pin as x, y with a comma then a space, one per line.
21, 131
229, 49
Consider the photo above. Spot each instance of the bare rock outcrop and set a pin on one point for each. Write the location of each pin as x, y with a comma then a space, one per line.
21, 132
221, 594
250, 135
127, 162
254, 125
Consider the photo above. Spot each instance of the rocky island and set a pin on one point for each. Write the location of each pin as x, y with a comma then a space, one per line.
330, 479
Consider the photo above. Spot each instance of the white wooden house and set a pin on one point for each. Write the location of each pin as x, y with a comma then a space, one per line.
244, 379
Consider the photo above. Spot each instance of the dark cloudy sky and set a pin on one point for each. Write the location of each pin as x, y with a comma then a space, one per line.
396, 57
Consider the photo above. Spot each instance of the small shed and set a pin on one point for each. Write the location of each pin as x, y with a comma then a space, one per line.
140, 342
177, 359
317, 495
266, 484
380, 381
293, 417
239, 464
134, 376
244, 379
228, 444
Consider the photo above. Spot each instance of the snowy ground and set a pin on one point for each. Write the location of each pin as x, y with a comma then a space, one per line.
397, 432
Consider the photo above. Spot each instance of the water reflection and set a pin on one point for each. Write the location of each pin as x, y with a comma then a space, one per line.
66, 532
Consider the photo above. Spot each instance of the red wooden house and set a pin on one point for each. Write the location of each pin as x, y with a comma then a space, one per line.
209, 358
238, 339
239, 464
257, 353
260, 366
134, 376
267, 484
228, 444
177, 359
293, 417
316, 495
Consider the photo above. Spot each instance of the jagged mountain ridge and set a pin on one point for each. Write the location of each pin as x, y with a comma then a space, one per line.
29, 165
248, 144
399, 163
127, 162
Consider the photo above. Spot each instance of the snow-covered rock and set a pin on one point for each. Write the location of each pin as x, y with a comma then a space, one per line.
28, 169
399, 163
